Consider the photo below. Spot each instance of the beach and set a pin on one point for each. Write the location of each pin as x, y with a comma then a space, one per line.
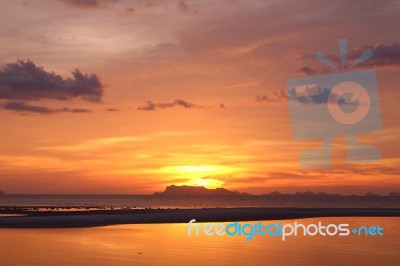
21, 218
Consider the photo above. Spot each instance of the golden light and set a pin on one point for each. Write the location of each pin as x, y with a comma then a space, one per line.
198, 175
208, 183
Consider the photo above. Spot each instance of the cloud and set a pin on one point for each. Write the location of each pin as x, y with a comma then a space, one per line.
163, 49
111, 110
312, 94
22, 107
74, 110
88, 3
26, 81
100, 143
278, 96
185, 8
289, 175
151, 106
244, 85
391, 168
384, 56
132, 7
307, 70
317, 95
263, 98
130, 10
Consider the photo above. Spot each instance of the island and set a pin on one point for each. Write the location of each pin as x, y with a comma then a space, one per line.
174, 190
61, 216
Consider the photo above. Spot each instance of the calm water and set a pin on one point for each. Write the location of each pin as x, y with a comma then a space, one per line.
168, 244
197, 201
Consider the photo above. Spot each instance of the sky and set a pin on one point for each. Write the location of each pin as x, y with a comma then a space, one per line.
129, 96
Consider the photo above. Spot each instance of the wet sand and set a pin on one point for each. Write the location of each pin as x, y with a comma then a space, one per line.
94, 218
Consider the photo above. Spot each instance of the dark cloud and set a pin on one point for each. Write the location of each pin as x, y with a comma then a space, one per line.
307, 70
111, 110
88, 3
277, 96
181, 5
384, 56
26, 81
22, 107
263, 98
73, 110
185, 8
289, 175
151, 106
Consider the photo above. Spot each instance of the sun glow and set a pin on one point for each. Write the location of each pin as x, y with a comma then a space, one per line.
197, 170
198, 175
208, 183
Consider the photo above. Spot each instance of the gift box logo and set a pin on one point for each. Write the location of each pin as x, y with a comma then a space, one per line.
339, 104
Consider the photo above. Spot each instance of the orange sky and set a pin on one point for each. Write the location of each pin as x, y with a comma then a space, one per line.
201, 65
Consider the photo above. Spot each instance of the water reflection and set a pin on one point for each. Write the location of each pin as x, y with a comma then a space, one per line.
168, 244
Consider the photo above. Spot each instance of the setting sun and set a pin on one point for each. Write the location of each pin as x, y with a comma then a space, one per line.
207, 183
200, 175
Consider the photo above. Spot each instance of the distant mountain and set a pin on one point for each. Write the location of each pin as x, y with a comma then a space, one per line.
2, 193
174, 190
370, 194
307, 194
276, 193
196, 191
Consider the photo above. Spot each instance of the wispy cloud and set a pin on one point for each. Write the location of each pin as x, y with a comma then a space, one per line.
243, 85
385, 56
313, 94
151, 106
88, 3
131, 6
307, 70
95, 144
112, 110
184, 7
277, 96
22, 107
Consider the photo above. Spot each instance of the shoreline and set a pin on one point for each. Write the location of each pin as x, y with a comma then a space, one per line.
96, 218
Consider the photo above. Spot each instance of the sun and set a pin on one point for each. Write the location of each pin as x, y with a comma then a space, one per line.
199, 175
207, 183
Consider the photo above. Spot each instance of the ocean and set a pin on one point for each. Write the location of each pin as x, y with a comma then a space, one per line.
169, 244
149, 201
